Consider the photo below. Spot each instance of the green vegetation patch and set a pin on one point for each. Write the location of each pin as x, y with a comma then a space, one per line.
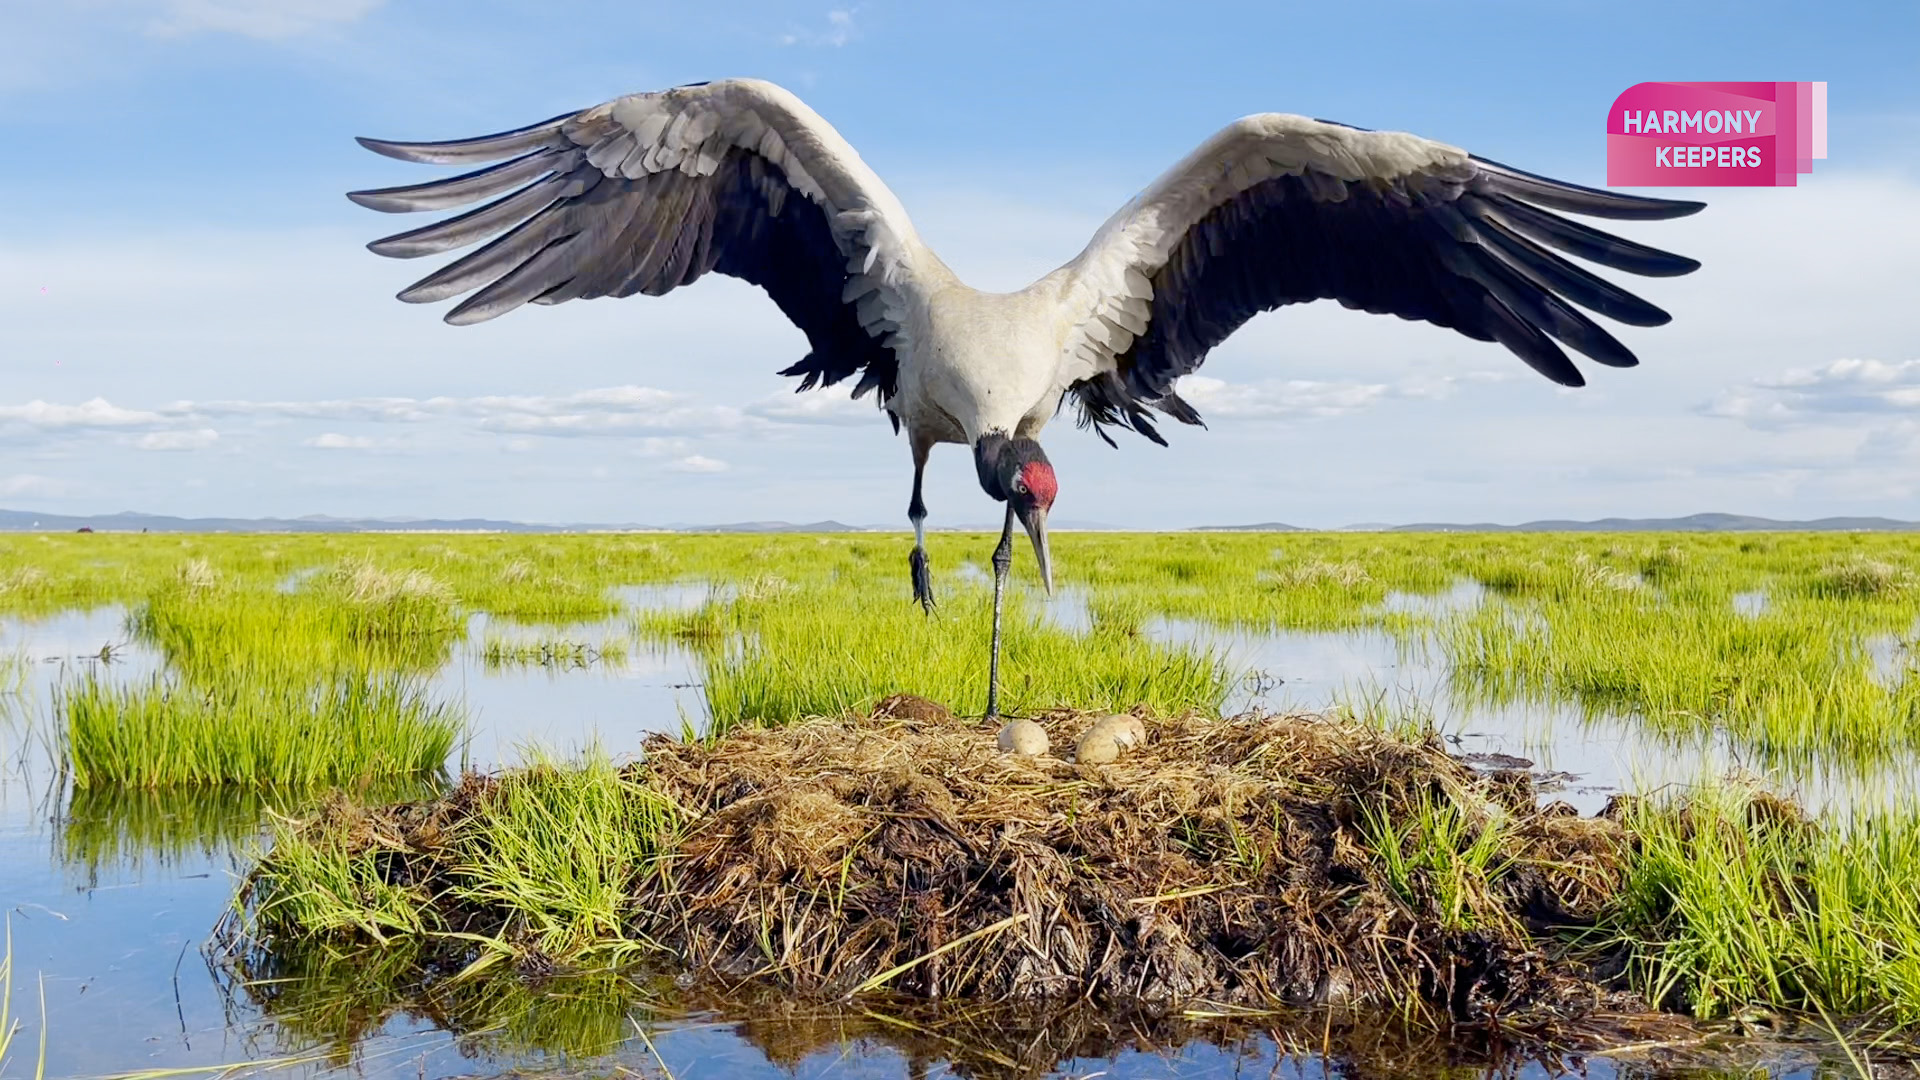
163, 733
776, 652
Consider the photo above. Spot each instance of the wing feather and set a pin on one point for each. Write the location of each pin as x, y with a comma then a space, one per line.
646, 193
1278, 210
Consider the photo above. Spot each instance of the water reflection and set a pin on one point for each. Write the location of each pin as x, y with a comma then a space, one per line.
632, 687
351, 1005
113, 835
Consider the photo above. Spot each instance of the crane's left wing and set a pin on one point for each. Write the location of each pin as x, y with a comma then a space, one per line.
648, 192
1279, 209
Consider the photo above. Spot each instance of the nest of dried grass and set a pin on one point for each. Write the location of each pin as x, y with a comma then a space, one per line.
1259, 861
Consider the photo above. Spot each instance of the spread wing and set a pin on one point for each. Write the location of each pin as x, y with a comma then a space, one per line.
645, 193
1280, 209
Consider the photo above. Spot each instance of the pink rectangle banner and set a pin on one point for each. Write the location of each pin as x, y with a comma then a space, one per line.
1716, 134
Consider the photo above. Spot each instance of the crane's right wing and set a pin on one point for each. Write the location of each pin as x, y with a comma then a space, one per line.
648, 192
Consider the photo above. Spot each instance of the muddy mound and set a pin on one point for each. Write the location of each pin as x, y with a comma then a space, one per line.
1254, 861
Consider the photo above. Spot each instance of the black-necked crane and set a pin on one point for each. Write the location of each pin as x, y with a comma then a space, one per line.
645, 193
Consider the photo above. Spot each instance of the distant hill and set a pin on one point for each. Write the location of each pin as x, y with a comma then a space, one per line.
130, 521
767, 527
1690, 523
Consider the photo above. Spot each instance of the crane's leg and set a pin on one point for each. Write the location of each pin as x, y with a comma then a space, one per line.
917, 513
1002, 563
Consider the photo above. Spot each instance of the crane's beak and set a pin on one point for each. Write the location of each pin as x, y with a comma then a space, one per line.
1036, 522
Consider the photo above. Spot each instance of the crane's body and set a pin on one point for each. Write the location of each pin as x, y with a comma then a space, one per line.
648, 192
980, 362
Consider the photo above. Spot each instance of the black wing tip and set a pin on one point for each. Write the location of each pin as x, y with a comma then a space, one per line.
1596, 202
377, 199
387, 148
392, 247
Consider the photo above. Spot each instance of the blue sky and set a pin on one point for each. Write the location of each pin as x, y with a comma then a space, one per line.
212, 338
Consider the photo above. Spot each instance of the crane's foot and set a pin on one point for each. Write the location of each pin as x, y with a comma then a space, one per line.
922, 578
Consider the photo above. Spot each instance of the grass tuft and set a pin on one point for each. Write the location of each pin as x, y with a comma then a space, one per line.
162, 734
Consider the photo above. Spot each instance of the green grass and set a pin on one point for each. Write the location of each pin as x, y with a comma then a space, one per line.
14, 669
775, 653
164, 733
562, 845
1437, 859
1721, 916
352, 616
558, 845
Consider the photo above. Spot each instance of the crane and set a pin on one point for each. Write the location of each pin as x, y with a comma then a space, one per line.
645, 193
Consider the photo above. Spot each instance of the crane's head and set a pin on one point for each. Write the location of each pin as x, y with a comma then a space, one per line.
1016, 471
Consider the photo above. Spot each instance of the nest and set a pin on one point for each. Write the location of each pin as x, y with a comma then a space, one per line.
1251, 862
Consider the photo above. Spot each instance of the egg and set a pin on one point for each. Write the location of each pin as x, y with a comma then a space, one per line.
1023, 737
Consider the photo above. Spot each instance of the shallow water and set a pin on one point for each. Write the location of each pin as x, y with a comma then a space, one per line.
112, 898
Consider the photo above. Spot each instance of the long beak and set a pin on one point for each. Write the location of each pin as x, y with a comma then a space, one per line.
1036, 522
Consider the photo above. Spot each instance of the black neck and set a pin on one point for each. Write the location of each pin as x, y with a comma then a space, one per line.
986, 461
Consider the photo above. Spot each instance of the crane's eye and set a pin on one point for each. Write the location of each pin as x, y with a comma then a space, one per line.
1019, 486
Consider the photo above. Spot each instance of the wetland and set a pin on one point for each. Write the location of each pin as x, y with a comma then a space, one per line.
435, 804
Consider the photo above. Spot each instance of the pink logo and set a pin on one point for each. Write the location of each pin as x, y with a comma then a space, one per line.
1716, 134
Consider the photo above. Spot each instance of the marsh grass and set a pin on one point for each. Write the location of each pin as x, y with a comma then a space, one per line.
778, 653
558, 851
1858, 578
9, 1025
14, 669
564, 847
1791, 682
163, 733
1735, 900
1435, 856
1637, 626
353, 618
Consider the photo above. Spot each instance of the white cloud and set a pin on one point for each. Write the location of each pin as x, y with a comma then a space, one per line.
93, 413
695, 463
375, 410
1841, 391
1273, 398
333, 440
611, 410
30, 484
831, 405
195, 439
1293, 397
838, 31
269, 19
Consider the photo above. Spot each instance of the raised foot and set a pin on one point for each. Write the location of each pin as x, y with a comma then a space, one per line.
922, 579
